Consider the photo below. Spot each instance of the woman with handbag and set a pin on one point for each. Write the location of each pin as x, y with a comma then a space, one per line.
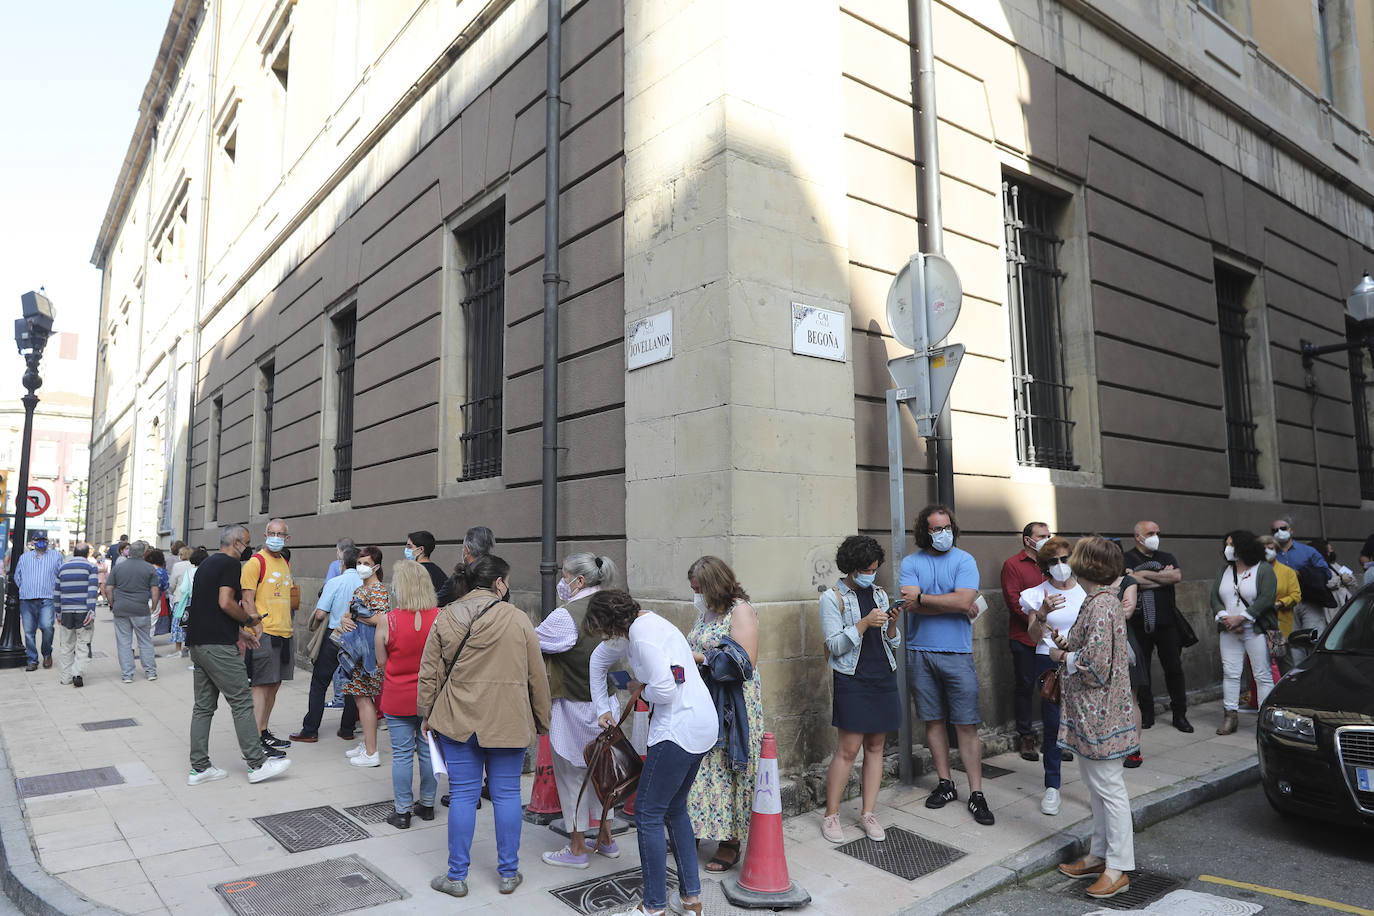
1051, 607
861, 635
358, 653
1098, 719
567, 648
1242, 601
682, 728
484, 693
400, 640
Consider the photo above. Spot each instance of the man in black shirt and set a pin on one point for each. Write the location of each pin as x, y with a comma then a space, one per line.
1156, 622
419, 546
213, 622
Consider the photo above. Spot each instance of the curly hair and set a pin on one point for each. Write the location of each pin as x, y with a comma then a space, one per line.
610, 613
858, 552
1051, 547
920, 534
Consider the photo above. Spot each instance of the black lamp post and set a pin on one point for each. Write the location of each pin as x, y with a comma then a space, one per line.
1359, 305
30, 335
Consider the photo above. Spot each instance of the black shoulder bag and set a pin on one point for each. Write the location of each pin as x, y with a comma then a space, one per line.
461, 644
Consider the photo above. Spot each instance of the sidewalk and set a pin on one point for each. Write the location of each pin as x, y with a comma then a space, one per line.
151, 844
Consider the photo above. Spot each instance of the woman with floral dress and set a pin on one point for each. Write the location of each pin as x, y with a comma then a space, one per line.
721, 801
369, 606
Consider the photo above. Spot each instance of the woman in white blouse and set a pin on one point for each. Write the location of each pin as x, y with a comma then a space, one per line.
682, 727
1052, 605
1242, 601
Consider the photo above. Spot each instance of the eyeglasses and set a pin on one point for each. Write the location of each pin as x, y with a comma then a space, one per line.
1063, 559
942, 529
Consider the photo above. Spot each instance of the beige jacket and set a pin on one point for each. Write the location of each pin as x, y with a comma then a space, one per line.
499, 689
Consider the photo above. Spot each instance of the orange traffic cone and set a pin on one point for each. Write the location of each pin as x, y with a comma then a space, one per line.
763, 882
640, 739
543, 806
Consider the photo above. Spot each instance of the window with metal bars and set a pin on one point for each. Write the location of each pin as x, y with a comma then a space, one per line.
269, 392
1040, 388
1359, 404
217, 447
1241, 451
482, 248
345, 335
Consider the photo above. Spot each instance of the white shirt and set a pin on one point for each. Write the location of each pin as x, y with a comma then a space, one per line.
1227, 593
572, 724
1062, 618
681, 713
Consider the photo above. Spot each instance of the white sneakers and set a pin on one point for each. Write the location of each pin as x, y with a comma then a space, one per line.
1050, 803
831, 829
355, 751
872, 829
209, 774
272, 766
366, 760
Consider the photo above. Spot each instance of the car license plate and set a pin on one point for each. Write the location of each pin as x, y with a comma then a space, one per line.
1364, 779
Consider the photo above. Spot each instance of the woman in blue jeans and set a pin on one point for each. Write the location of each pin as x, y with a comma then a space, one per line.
484, 692
682, 727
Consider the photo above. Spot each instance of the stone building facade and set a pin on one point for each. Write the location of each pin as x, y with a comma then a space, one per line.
323, 272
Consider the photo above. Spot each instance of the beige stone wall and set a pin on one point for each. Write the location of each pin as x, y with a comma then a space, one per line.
1285, 30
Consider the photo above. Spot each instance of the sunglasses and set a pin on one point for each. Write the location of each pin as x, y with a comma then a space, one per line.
1278, 529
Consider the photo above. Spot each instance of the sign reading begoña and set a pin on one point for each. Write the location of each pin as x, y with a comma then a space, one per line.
818, 332
649, 340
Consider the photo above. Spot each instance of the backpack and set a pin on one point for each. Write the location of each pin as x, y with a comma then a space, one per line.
262, 571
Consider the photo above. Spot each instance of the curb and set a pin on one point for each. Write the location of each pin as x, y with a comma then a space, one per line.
29, 887
1146, 810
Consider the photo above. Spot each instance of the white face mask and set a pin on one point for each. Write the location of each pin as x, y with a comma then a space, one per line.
1151, 543
1229, 553
365, 572
942, 540
1036, 545
699, 602
1060, 572
1270, 554
1282, 535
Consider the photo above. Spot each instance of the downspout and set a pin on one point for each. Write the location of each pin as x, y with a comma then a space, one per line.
134, 522
548, 538
207, 164
1311, 385
90, 446
928, 188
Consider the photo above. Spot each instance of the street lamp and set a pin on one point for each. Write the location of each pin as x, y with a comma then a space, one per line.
31, 335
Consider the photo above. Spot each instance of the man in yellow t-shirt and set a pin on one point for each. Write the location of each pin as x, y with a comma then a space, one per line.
268, 651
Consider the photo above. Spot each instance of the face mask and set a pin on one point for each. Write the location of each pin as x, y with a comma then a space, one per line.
699, 602
1229, 553
864, 580
41, 545
365, 571
410, 554
1270, 554
1151, 543
1036, 545
564, 592
1282, 535
275, 544
942, 541
1060, 572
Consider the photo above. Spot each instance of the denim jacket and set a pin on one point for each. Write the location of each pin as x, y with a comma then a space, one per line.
725, 671
840, 626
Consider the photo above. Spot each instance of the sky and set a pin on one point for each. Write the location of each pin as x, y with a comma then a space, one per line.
70, 82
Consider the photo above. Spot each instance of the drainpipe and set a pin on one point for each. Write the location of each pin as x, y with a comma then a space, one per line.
207, 164
1311, 384
134, 522
548, 539
928, 188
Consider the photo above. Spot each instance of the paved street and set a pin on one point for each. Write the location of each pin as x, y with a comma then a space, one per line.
1238, 838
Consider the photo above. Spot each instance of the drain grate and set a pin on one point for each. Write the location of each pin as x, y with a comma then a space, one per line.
990, 771
608, 893
108, 723
903, 854
310, 828
332, 886
71, 781
375, 813
1146, 887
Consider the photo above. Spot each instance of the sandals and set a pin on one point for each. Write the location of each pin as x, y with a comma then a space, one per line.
719, 863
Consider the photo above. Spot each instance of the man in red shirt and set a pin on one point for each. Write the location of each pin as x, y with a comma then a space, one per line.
1021, 572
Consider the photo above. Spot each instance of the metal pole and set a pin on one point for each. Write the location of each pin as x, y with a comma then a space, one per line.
548, 539
929, 188
897, 500
12, 653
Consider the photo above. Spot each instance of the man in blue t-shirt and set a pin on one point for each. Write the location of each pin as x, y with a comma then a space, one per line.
939, 584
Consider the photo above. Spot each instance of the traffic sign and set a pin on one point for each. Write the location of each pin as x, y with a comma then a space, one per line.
941, 297
942, 364
37, 502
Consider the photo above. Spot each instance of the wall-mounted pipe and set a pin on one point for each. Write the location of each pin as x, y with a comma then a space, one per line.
548, 535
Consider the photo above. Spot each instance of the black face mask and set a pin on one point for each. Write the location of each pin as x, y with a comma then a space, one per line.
247, 553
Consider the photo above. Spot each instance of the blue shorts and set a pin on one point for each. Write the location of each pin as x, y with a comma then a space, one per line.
944, 685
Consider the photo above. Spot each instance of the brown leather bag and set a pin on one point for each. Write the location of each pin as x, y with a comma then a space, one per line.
1049, 685
613, 764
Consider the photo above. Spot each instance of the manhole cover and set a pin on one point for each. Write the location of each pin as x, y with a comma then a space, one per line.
310, 828
71, 781
108, 723
989, 770
616, 891
904, 854
1146, 887
375, 813
332, 886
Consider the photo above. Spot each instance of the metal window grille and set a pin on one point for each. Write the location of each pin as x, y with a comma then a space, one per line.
1241, 451
269, 390
345, 334
483, 249
218, 411
1040, 388
1359, 404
